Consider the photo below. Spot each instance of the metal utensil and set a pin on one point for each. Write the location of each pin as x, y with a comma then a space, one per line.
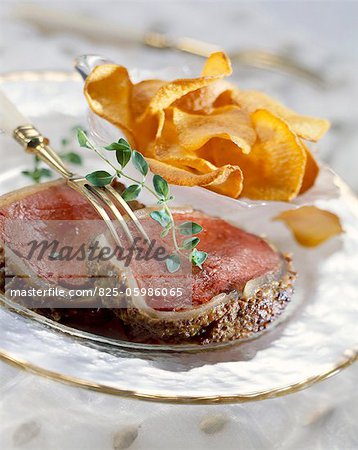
96, 29
105, 200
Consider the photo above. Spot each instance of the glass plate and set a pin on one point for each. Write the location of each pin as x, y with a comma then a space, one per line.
314, 339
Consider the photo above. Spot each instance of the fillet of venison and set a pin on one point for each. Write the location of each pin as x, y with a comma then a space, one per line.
245, 283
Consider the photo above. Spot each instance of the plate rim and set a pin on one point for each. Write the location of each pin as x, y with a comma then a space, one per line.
349, 356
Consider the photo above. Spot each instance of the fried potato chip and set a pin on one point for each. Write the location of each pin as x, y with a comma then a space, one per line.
225, 98
167, 150
310, 225
217, 66
230, 123
204, 131
108, 91
142, 93
191, 162
306, 127
167, 142
145, 133
174, 156
220, 153
202, 100
274, 168
311, 172
226, 180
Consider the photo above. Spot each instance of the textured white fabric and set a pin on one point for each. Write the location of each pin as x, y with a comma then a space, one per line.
61, 417
40, 414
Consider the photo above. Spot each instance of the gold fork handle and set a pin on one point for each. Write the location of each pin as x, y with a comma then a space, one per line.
33, 142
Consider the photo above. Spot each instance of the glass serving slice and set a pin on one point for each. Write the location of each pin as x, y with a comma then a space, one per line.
314, 339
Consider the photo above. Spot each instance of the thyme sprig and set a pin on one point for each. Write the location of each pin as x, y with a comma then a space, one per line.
37, 173
161, 192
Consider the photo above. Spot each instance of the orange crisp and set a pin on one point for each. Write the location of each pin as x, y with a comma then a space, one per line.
206, 132
311, 226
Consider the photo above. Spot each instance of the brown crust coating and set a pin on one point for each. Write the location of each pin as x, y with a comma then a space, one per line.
254, 314
235, 318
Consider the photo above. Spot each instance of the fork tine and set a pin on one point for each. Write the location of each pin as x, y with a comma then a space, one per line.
101, 211
128, 210
102, 195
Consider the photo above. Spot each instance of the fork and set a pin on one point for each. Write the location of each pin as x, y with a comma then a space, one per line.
104, 200
51, 20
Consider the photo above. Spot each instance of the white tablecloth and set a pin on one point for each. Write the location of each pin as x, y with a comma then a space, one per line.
41, 414
46, 415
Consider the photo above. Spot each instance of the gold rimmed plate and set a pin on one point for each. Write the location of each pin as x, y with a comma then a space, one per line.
314, 339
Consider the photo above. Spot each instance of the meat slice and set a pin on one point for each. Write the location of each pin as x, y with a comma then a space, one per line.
244, 285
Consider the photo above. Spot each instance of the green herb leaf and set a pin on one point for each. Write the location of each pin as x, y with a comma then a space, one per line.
37, 174
140, 163
82, 138
45, 173
33, 174
132, 192
173, 262
123, 156
113, 147
161, 186
122, 144
65, 142
190, 243
99, 178
166, 230
162, 217
122, 141
198, 257
189, 228
72, 157
123, 151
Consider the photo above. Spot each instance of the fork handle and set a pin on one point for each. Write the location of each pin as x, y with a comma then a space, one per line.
34, 142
